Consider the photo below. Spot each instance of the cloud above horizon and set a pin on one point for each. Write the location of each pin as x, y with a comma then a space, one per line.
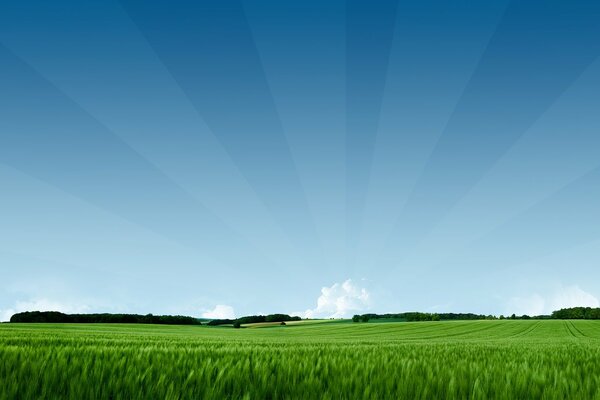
339, 301
564, 297
42, 304
221, 311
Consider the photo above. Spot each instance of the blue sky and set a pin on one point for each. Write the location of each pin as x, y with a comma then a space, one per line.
227, 158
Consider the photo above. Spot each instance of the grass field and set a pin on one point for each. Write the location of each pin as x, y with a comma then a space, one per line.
476, 359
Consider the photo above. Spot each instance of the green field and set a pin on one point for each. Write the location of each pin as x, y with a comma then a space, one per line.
475, 359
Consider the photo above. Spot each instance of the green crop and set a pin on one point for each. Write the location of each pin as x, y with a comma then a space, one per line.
421, 360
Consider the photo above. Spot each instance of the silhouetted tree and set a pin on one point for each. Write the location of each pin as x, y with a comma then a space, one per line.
58, 317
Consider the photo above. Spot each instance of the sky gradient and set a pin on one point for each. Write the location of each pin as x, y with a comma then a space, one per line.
225, 158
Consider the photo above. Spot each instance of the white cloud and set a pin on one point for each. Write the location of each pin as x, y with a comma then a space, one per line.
6, 314
221, 311
573, 296
530, 305
339, 301
41, 304
563, 297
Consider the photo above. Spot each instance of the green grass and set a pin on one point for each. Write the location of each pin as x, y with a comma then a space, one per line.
301, 322
475, 360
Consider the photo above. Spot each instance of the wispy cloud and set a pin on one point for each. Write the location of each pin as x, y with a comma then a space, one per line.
563, 297
339, 301
42, 304
221, 311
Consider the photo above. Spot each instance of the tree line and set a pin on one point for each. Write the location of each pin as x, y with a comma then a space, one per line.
563, 313
58, 317
421, 316
577, 313
253, 319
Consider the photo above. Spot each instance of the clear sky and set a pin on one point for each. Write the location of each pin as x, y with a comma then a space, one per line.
316, 157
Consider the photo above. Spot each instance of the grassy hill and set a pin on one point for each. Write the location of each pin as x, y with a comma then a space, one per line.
550, 359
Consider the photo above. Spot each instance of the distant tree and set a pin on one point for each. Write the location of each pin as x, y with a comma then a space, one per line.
513, 316
58, 317
365, 318
501, 316
217, 322
576, 313
356, 318
237, 324
282, 323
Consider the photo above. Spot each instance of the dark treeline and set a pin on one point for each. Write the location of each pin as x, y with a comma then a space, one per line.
577, 313
564, 313
420, 316
58, 317
253, 319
